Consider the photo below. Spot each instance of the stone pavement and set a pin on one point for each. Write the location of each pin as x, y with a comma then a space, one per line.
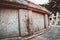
52, 34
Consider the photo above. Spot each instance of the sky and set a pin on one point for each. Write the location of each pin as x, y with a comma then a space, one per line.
39, 1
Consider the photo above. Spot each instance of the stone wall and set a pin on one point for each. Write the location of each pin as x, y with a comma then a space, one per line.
20, 22
9, 22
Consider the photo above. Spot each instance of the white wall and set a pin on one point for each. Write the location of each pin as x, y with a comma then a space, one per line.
38, 21
8, 22
23, 21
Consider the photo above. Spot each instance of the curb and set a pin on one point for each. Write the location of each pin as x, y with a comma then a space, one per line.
37, 34
42, 31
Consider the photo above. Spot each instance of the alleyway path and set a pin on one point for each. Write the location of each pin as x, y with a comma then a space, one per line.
53, 34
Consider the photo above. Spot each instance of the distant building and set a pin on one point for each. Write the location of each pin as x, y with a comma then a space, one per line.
21, 18
55, 19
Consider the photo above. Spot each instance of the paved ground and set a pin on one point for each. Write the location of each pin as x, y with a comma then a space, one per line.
53, 34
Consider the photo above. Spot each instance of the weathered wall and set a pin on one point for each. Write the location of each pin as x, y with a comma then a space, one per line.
46, 20
30, 22
23, 21
8, 22
15, 21
38, 21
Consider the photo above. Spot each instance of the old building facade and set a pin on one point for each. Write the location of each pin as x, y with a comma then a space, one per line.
21, 18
